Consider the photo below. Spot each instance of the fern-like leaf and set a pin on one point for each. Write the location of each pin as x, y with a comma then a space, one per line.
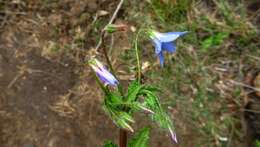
133, 90
151, 101
141, 139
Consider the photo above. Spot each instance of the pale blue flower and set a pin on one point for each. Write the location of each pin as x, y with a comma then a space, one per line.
164, 42
103, 74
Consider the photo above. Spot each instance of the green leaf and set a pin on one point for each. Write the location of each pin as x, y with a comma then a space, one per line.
126, 116
123, 124
113, 106
109, 144
120, 118
207, 43
257, 143
214, 40
140, 139
110, 29
113, 98
133, 91
151, 101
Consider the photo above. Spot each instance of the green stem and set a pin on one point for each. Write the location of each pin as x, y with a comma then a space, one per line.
108, 60
120, 87
105, 90
138, 57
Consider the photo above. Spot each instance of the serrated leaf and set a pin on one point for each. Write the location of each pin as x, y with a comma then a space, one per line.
140, 139
119, 117
123, 124
113, 98
109, 144
133, 91
151, 101
126, 116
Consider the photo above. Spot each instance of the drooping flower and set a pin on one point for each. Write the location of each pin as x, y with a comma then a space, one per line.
103, 74
164, 42
173, 135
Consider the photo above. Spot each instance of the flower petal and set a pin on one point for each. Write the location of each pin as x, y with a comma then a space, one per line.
170, 36
110, 78
102, 78
173, 135
161, 58
103, 74
157, 45
106, 77
169, 46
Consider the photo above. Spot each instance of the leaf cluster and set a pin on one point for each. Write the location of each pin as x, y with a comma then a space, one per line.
139, 97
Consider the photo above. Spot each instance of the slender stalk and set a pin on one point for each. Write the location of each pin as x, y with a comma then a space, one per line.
120, 87
108, 60
123, 133
122, 138
138, 58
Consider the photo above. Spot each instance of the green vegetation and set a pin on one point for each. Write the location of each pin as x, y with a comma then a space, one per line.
198, 78
141, 139
257, 143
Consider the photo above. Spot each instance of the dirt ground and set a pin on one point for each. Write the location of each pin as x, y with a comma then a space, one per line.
35, 88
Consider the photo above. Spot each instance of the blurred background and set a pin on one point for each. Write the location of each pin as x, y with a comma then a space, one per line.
49, 98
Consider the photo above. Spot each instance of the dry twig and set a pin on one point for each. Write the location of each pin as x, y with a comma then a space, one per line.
244, 85
103, 33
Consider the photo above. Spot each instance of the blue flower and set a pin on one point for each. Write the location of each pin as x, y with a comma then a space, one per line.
164, 42
103, 74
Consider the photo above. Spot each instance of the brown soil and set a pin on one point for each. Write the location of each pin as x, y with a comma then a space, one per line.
36, 85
